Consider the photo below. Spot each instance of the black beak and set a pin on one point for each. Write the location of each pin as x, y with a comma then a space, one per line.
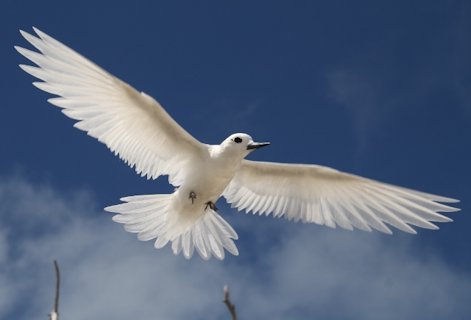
256, 145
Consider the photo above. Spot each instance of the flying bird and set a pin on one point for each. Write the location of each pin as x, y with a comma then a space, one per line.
137, 128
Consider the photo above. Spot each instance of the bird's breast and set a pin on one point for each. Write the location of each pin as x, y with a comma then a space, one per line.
209, 179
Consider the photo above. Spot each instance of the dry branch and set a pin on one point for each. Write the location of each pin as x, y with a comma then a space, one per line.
54, 315
229, 304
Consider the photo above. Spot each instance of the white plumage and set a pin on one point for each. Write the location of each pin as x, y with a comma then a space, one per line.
137, 129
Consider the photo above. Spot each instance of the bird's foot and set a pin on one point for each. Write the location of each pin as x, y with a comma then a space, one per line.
192, 197
211, 205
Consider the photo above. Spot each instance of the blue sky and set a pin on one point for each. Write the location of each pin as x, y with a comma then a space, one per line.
377, 89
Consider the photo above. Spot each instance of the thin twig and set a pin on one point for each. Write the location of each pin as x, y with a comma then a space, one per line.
229, 304
54, 315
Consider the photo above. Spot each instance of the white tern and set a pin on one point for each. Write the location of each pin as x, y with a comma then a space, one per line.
136, 128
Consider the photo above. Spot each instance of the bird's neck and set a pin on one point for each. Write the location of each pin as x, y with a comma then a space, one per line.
227, 155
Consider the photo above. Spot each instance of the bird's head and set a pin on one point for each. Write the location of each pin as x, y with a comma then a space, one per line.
241, 143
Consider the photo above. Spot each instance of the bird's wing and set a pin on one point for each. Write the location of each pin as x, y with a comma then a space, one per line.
131, 123
325, 196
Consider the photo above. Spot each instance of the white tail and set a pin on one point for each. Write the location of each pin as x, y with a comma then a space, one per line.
151, 217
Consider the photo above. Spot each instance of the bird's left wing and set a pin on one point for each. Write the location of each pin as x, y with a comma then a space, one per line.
132, 124
317, 194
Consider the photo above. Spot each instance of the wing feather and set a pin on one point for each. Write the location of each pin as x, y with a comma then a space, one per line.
317, 194
130, 123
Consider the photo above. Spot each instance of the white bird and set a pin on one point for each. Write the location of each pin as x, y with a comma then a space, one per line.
136, 128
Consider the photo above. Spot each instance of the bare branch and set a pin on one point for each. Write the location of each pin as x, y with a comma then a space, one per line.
229, 304
54, 315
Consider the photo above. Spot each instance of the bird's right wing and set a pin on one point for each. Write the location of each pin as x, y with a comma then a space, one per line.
317, 194
130, 123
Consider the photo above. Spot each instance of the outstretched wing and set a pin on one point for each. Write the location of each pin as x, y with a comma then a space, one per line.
132, 124
317, 194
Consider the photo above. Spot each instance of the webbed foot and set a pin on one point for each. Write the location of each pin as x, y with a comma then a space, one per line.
211, 205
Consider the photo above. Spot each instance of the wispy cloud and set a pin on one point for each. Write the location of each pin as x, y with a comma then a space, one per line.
459, 71
226, 116
357, 92
309, 272
390, 79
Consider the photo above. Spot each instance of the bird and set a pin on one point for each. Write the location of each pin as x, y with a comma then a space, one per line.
135, 127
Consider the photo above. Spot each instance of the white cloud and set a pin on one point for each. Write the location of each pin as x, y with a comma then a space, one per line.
310, 272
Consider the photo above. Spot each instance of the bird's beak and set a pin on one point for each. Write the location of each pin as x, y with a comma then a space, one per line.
256, 145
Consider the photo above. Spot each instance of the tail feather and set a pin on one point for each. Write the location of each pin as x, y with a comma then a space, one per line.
148, 216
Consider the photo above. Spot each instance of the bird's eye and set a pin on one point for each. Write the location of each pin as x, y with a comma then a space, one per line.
237, 140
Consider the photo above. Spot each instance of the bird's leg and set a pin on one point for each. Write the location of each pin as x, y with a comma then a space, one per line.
211, 205
192, 197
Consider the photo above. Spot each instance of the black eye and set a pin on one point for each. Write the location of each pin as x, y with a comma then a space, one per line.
237, 140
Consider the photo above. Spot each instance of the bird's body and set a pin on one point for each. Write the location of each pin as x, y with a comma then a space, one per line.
137, 129
210, 175
211, 171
